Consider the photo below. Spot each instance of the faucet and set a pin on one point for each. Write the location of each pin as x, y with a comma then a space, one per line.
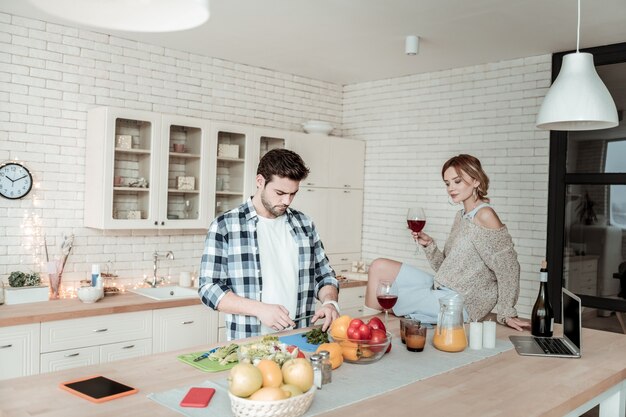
155, 280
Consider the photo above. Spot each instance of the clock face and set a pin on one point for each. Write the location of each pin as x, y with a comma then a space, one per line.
15, 181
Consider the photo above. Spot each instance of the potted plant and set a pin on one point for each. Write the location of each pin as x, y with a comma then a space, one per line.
25, 288
586, 213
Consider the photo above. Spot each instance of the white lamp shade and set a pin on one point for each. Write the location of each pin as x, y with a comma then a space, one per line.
578, 99
130, 15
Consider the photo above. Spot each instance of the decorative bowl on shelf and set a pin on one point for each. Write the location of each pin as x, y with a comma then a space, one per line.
317, 126
361, 351
290, 407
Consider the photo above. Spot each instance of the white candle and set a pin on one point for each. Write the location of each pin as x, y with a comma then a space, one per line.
476, 335
489, 334
185, 279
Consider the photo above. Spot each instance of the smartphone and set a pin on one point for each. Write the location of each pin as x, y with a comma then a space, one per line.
197, 397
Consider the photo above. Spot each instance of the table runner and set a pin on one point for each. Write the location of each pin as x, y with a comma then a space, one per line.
355, 382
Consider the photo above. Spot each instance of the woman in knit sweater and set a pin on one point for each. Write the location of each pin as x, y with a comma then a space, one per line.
478, 260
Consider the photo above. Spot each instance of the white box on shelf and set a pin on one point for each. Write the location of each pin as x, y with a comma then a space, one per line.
227, 150
21, 295
124, 141
186, 183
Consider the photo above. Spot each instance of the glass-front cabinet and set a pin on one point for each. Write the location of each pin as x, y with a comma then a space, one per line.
233, 183
145, 170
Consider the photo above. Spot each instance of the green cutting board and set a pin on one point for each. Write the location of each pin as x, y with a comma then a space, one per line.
205, 365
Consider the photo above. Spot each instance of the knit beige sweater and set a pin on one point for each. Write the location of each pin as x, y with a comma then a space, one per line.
480, 264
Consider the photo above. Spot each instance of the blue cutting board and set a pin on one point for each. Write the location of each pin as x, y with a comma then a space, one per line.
299, 341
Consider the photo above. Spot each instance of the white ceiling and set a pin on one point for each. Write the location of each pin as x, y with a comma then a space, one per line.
350, 41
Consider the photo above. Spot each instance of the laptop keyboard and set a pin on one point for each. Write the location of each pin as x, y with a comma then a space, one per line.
553, 346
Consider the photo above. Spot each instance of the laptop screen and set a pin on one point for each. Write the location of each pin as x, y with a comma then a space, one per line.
571, 317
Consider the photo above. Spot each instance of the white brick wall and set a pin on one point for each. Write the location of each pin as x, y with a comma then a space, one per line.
413, 124
50, 75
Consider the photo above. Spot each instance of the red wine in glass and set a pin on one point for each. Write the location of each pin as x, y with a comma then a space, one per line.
387, 301
416, 225
387, 295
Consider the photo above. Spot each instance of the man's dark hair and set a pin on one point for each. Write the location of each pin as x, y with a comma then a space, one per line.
282, 163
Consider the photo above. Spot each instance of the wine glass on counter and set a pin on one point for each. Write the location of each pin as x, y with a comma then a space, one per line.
387, 296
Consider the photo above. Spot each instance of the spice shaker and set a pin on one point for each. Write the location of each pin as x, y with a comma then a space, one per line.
327, 367
316, 363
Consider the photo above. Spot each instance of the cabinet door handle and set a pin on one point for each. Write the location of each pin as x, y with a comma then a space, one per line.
361, 296
310, 183
100, 330
347, 185
162, 223
71, 355
188, 322
5, 346
128, 347
344, 259
347, 191
156, 223
309, 190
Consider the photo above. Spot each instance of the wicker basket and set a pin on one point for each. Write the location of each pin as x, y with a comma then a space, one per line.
291, 407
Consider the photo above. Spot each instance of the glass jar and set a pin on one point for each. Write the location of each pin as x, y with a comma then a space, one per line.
316, 363
327, 367
450, 333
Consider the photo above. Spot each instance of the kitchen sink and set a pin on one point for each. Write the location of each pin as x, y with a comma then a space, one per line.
166, 293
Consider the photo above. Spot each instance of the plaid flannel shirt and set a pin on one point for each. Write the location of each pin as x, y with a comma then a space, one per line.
231, 262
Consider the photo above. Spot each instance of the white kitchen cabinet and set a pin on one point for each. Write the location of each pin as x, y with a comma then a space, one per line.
125, 350
70, 358
314, 149
145, 170
182, 327
19, 351
314, 203
342, 262
83, 341
351, 301
346, 163
234, 181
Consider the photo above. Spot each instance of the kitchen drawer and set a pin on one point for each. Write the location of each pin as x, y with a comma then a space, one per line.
125, 350
589, 266
353, 311
92, 331
351, 297
72, 358
180, 327
19, 351
342, 262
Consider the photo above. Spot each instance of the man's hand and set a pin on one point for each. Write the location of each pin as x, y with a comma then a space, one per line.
328, 312
274, 316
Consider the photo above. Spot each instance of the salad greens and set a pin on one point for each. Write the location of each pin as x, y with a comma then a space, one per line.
225, 354
267, 348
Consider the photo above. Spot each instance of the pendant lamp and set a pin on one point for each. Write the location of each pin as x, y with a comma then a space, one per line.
130, 15
578, 99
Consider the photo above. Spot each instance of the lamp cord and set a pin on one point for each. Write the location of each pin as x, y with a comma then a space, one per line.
578, 29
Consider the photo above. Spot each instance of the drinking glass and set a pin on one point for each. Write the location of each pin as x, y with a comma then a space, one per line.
416, 219
387, 296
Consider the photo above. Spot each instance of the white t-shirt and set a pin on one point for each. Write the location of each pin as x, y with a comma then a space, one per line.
279, 264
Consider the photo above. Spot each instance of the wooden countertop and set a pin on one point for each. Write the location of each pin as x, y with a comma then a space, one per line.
504, 384
13, 315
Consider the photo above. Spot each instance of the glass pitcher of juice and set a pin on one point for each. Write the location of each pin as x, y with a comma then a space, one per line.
450, 333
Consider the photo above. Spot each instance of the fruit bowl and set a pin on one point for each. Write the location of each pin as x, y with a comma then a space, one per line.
290, 407
361, 351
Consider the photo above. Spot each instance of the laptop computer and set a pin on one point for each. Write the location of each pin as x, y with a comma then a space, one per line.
568, 346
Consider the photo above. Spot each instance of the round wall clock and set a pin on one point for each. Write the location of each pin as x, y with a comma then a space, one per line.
15, 180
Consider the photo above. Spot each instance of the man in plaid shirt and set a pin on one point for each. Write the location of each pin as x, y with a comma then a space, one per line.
264, 263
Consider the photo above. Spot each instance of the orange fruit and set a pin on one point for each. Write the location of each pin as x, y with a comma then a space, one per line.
271, 372
270, 394
339, 327
336, 356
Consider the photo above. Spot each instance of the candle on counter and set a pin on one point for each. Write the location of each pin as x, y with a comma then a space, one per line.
476, 335
489, 334
185, 279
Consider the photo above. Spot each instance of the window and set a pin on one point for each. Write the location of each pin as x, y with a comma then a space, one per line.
615, 161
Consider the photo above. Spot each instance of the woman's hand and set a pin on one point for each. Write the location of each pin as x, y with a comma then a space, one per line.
517, 323
422, 238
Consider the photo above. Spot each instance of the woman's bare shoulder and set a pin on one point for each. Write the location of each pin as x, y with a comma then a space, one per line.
487, 218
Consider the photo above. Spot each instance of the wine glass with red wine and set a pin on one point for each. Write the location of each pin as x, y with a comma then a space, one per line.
416, 219
387, 296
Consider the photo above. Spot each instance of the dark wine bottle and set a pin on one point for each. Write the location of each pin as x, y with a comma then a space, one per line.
542, 319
